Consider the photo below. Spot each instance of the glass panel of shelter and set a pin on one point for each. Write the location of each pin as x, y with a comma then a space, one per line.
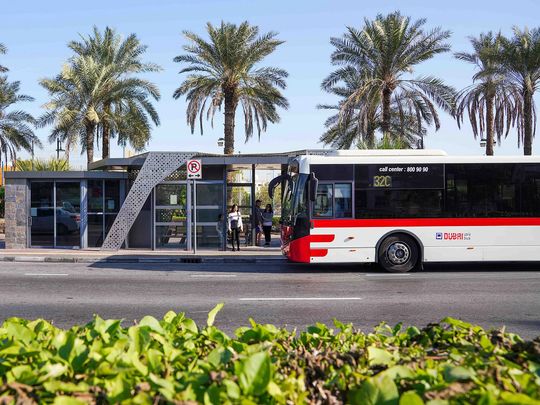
171, 215
103, 205
55, 214
209, 204
186, 214
42, 214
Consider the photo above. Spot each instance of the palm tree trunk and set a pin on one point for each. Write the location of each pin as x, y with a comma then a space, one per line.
489, 126
230, 111
370, 137
89, 142
527, 124
386, 100
106, 141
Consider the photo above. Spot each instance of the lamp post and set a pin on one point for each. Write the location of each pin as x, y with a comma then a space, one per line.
58, 148
483, 142
220, 142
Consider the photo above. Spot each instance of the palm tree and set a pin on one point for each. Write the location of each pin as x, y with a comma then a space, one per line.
224, 70
489, 100
77, 96
3, 51
520, 62
130, 116
356, 125
16, 126
91, 96
383, 52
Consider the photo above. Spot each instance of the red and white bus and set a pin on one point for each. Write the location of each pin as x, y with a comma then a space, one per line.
403, 208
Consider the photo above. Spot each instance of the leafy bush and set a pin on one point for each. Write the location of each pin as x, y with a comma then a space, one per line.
173, 360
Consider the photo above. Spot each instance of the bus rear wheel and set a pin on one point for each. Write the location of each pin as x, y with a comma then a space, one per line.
398, 254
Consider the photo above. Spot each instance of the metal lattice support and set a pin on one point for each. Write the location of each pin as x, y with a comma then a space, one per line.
156, 167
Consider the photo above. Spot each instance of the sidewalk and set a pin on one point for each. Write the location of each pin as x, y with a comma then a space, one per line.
251, 254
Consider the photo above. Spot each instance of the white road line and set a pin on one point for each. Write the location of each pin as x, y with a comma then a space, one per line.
46, 274
212, 275
302, 299
388, 275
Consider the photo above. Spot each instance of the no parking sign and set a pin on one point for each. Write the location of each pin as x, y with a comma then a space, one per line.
194, 169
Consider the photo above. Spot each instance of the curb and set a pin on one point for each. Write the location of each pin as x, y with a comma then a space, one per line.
183, 260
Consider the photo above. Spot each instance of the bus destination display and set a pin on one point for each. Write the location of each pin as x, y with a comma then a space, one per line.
400, 176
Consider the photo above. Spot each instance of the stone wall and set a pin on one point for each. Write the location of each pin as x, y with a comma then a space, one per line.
16, 214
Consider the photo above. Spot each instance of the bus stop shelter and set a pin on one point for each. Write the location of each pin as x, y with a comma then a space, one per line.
145, 201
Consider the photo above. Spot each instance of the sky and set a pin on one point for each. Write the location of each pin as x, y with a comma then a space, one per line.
36, 34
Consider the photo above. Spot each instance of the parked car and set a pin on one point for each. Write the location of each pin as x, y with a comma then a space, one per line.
66, 222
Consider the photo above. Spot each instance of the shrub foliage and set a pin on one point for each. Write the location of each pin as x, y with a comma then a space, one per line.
175, 361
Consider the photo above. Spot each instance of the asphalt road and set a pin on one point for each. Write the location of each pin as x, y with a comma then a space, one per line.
283, 294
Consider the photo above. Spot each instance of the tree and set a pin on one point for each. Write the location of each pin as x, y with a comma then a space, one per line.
89, 95
3, 51
489, 101
381, 54
77, 96
16, 126
129, 113
519, 59
356, 125
224, 71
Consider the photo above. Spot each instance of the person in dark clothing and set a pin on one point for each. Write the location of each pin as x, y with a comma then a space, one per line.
258, 222
234, 225
267, 216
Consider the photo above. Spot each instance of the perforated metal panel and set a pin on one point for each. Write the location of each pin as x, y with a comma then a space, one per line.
156, 167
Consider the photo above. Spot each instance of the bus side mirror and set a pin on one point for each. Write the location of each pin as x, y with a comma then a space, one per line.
276, 182
313, 184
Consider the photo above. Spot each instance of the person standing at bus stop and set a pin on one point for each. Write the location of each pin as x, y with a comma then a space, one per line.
268, 216
258, 222
234, 225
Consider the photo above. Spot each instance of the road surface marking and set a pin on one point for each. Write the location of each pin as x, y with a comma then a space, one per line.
301, 299
213, 275
46, 274
388, 275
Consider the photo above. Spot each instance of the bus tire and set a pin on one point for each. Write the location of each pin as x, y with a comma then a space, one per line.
398, 253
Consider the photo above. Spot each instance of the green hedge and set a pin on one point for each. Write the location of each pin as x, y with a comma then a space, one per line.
175, 361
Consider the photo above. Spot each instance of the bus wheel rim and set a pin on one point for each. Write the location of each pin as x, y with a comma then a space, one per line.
398, 253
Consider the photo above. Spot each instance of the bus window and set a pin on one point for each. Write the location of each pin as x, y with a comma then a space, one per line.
323, 207
343, 200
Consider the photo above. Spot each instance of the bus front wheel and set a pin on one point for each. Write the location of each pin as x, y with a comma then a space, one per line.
398, 253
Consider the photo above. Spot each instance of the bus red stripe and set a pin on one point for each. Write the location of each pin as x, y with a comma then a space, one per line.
415, 222
318, 252
322, 238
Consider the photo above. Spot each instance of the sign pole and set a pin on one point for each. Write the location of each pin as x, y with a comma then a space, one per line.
194, 217
194, 172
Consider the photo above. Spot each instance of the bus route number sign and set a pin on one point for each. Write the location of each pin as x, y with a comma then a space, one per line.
194, 169
400, 176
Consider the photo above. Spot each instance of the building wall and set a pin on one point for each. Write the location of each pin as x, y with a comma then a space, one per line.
16, 213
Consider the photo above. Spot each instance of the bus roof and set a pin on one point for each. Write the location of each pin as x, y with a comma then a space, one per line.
410, 156
387, 152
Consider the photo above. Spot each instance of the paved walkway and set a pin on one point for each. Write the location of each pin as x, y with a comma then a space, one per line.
250, 254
